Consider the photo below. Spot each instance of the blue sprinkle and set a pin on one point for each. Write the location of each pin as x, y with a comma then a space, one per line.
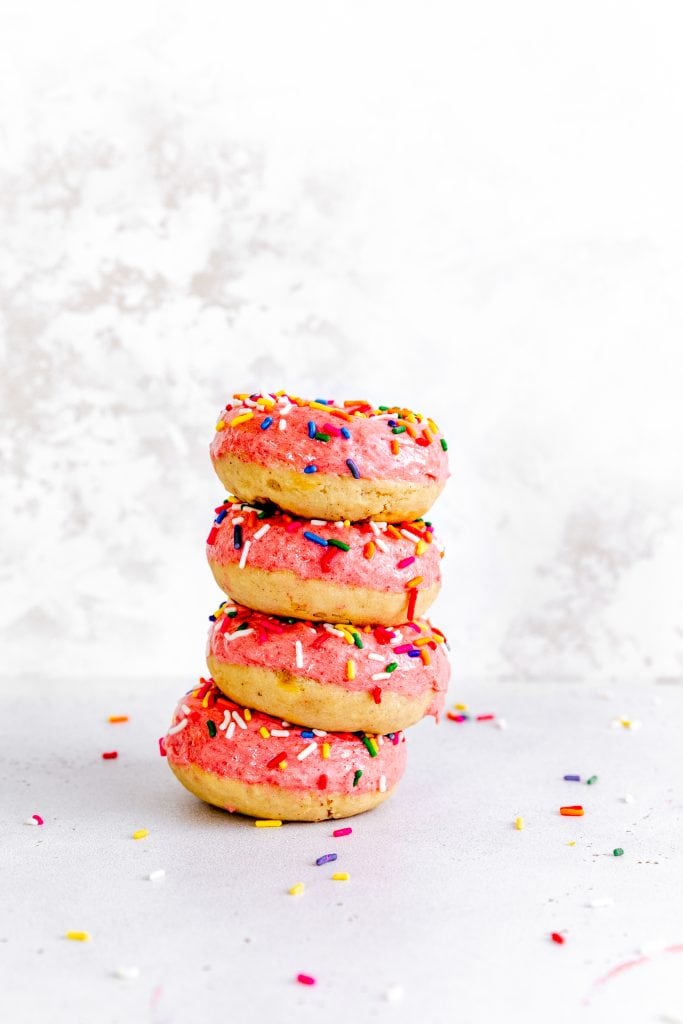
413, 654
311, 429
266, 423
572, 778
212, 618
354, 468
321, 401
326, 858
346, 432
315, 538
311, 469
237, 537
392, 423
307, 735
220, 517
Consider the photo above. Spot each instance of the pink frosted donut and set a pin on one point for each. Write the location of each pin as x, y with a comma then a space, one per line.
374, 573
242, 760
330, 461
330, 677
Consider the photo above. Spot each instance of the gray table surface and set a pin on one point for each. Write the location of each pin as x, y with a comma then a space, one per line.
449, 908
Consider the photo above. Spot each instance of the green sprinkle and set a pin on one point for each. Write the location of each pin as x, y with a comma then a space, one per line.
319, 436
593, 779
357, 640
443, 444
392, 667
371, 750
398, 430
242, 625
231, 615
618, 852
356, 777
383, 408
211, 726
333, 542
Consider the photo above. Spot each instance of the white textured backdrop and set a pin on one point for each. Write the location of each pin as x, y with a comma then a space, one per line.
471, 209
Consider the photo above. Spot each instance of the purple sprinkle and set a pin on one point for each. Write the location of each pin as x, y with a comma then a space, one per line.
326, 858
414, 654
354, 468
266, 423
572, 778
311, 469
237, 537
345, 432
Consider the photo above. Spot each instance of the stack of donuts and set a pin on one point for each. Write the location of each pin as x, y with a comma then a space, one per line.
320, 656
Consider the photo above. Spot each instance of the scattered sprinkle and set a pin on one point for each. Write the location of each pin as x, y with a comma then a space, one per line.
618, 852
110, 755
572, 778
556, 937
519, 824
326, 858
575, 811
35, 819
115, 719
127, 973
297, 889
78, 936
627, 798
341, 876
305, 979
338, 832
591, 782
394, 994
141, 833
267, 823
155, 876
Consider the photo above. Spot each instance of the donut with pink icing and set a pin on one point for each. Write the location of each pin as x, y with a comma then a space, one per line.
330, 460
242, 760
373, 573
335, 677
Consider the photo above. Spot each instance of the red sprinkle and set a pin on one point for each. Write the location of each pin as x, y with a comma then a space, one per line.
162, 746
322, 782
212, 535
556, 937
305, 979
110, 755
485, 718
342, 832
274, 761
377, 694
412, 601
456, 718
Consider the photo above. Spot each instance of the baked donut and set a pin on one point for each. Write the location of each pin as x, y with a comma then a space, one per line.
329, 677
370, 572
330, 461
242, 760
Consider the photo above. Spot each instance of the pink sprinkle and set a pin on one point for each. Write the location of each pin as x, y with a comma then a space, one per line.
305, 979
405, 562
38, 820
485, 718
396, 739
294, 525
329, 428
414, 625
403, 648
162, 746
342, 832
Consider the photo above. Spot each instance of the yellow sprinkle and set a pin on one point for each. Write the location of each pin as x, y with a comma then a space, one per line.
350, 669
247, 714
340, 876
242, 418
241, 395
297, 889
282, 765
519, 824
78, 936
326, 751
373, 744
141, 833
460, 707
264, 732
220, 424
267, 823
420, 547
415, 582
437, 638
347, 523
432, 426
205, 699
572, 842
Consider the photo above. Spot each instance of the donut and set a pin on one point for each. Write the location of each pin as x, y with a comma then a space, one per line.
324, 460
328, 676
242, 760
376, 573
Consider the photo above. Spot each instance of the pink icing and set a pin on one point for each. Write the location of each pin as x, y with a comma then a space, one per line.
284, 546
240, 636
246, 755
369, 445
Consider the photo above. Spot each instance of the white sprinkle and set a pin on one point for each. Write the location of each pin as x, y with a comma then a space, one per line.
238, 520
501, 723
127, 973
602, 901
284, 733
262, 532
382, 783
381, 675
282, 425
285, 411
230, 731
381, 545
185, 708
303, 754
176, 728
627, 798
376, 657
339, 524
154, 876
229, 637
333, 629
227, 717
245, 552
375, 527
396, 639
410, 536
380, 740
238, 718
345, 753
394, 994
319, 522
299, 654
319, 732
285, 725
30, 821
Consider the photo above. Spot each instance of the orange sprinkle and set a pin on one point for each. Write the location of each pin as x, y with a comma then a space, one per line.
427, 436
393, 532
575, 811
424, 655
117, 718
411, 430
369, 549
394, 447
415, 582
